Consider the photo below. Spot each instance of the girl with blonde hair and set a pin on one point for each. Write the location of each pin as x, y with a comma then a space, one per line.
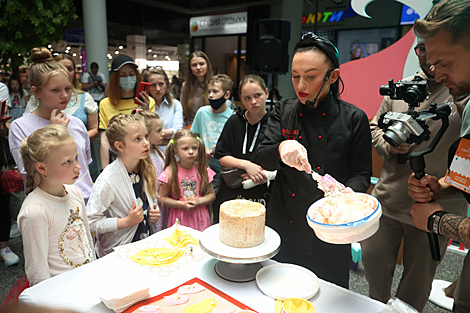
52, 87
154, 128
81, 103
53, 219
121, 209
186, 183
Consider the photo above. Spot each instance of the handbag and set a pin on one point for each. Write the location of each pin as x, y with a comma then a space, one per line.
231, 176
11, 180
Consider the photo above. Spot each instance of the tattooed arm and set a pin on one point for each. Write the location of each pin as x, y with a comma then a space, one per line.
455, 227
452, 226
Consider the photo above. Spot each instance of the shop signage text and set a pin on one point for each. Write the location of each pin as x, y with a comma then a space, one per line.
328, 16
223, 24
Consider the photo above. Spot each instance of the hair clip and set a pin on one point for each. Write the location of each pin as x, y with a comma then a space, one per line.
171, 141
138, 110
198, 139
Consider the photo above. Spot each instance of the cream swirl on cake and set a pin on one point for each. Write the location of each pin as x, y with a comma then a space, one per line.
242, 223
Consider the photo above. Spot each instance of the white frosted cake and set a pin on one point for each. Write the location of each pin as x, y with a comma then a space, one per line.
241, 223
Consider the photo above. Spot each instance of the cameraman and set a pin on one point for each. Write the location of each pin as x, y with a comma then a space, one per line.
95, 83
447, 41
380, 251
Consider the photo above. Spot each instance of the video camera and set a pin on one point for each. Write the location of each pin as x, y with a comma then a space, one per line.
410, 126
412, 92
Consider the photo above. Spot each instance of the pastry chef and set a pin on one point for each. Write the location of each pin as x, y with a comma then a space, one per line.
314, 131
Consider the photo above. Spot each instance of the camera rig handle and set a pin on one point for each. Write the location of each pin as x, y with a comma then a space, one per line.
418, 164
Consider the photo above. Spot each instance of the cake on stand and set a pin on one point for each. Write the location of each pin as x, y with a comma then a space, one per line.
238, 264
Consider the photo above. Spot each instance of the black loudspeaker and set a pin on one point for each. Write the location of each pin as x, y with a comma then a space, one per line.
271, 45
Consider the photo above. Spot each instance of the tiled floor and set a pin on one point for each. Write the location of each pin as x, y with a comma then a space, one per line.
448, 270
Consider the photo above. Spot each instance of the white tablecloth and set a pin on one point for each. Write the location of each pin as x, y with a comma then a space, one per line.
79, 289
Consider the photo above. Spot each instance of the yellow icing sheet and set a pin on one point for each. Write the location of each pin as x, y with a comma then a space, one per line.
157, 256
295, 305
204, 306
180, 239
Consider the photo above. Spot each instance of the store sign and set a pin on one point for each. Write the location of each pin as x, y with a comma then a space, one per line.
223, 24
328, 16
342, 16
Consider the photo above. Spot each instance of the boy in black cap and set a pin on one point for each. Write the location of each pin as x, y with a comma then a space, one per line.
337, 137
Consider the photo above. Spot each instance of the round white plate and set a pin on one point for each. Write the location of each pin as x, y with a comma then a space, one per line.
210, 243
282, 281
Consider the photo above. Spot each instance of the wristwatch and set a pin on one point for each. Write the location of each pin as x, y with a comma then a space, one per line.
433, 221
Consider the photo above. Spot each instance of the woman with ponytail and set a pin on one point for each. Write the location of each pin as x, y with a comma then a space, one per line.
337, 137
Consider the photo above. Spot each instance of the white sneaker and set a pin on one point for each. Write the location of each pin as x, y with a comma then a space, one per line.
14, 231
9, 257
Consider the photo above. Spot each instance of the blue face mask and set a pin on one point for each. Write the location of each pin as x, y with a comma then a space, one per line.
127, 83
217, 103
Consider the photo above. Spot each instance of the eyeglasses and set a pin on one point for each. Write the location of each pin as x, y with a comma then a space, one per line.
420, 50
158, 67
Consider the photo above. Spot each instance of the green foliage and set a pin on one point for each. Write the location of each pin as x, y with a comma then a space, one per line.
25, 24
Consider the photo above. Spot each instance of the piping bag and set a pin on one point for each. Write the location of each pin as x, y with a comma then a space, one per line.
271, 175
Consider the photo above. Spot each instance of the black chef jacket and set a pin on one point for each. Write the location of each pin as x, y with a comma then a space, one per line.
337, 137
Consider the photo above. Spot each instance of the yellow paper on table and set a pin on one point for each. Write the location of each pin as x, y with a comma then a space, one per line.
204, 306
181, 238
296, 305
157, 256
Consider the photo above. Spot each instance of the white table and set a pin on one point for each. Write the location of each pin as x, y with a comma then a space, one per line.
79, 289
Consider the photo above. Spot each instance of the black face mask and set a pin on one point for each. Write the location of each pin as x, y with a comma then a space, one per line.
217, 103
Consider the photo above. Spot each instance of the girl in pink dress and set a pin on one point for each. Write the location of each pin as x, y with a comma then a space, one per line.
186, 184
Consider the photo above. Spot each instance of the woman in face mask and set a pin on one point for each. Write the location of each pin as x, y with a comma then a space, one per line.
124, 82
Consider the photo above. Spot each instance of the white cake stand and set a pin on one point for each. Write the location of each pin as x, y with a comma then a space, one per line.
238, 264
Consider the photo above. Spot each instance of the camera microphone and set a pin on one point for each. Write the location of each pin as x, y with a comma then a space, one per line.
311, 104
